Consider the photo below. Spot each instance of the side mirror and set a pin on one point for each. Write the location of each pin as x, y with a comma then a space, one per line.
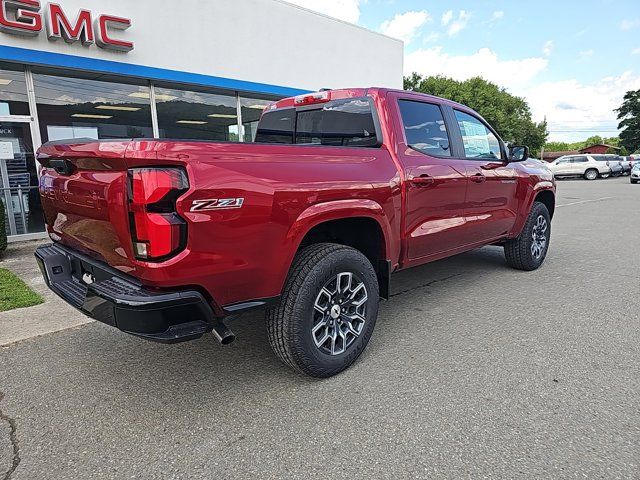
518, 153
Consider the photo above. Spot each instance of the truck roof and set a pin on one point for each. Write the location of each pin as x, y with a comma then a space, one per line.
341, 93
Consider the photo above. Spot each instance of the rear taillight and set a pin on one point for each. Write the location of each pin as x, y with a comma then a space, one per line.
156, 228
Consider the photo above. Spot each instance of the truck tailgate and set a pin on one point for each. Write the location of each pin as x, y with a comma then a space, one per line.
83, 187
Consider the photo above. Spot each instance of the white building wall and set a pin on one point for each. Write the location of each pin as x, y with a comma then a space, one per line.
264, 41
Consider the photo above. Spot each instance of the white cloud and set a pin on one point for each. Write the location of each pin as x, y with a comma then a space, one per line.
575, 110
347, 10
629, 24
586, 54
433, 37
548, 48
405, 25
635, 51
459, 23
447, 17
513, 74
497, 15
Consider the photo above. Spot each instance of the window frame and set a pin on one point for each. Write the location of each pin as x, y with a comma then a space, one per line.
462, 152
444, 119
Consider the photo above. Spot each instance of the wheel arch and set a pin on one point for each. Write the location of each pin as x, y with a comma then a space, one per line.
360, 224
543, 192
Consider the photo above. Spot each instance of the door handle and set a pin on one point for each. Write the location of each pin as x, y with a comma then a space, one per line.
421, 180
478, 178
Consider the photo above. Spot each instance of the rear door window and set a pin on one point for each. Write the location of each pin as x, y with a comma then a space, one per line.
424, 128
579, 160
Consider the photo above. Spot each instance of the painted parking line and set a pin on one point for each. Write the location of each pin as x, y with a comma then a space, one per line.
584, 201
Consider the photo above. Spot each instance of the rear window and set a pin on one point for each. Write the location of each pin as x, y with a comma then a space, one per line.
347, 123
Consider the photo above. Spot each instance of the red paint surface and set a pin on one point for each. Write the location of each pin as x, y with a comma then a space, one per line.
241, 254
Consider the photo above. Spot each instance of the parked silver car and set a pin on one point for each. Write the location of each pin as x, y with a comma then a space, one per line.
579, 166
613, 161
635, 173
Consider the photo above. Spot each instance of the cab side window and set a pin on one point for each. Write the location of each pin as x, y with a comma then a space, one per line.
479, 142
579, 159
424, 128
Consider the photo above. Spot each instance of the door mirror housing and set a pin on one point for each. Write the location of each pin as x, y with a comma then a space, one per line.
518, 153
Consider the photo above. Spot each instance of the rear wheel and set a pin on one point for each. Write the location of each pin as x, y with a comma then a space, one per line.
591, 174
528, 250
327, 312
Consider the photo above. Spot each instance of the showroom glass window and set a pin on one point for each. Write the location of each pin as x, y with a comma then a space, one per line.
252, 109
72, 107
196, 115
13, 92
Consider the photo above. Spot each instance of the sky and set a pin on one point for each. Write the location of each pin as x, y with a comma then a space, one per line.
573, 61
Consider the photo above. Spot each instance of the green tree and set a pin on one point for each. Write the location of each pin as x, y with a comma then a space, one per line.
557, 147
508, 114
629, 117
595, 140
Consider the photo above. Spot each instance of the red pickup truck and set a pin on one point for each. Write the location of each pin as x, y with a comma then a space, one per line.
169, 239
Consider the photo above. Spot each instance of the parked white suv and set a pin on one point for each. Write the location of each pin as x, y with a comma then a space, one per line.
579, 166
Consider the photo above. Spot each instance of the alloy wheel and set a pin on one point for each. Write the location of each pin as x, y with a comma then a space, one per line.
339, 313
539, 237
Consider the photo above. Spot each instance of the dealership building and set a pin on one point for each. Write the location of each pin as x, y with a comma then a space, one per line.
201, 70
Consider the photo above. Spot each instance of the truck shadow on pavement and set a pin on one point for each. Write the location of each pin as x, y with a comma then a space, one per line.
130, 363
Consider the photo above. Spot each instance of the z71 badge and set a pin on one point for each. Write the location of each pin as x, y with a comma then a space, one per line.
216, 204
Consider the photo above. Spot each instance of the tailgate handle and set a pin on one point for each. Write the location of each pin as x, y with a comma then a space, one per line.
63, 167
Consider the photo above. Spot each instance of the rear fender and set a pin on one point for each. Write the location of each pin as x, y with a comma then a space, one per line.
340, 210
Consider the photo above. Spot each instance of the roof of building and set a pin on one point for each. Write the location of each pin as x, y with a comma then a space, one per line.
599, 145
554, 155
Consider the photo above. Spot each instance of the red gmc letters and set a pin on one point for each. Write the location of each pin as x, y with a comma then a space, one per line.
23, 17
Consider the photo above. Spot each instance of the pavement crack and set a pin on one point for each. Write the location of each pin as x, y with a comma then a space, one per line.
13, 437
425, 285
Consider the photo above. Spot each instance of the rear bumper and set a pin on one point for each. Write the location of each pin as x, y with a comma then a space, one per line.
109, 296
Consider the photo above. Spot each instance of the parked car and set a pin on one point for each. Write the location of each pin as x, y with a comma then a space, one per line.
579, 166
168, 239
627, 165
635, 173
613, 161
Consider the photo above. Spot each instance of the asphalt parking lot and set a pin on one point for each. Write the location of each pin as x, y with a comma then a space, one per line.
474, 370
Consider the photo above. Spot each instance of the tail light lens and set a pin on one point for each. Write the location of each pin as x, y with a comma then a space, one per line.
157, 230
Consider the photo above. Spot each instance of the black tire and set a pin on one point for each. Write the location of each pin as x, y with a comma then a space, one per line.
519, 251
290, 324
591, 174
634, 181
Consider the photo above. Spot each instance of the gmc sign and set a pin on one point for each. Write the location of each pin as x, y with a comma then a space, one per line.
23, 17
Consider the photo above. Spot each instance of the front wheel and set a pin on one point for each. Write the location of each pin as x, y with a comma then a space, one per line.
528, 250
327, 312
591, 174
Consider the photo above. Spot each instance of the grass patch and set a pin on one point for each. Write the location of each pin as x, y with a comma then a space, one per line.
14, 293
